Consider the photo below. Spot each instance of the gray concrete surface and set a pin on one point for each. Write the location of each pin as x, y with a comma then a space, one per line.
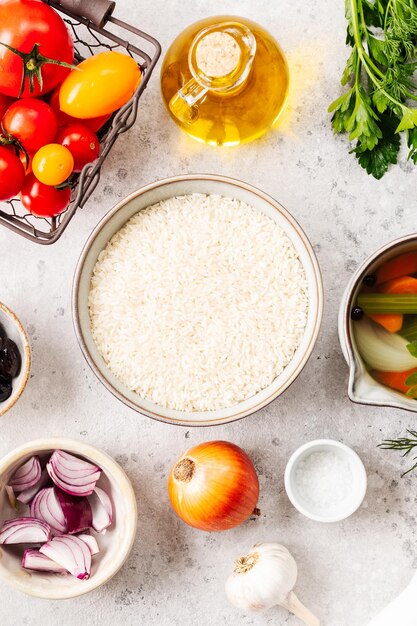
175, 575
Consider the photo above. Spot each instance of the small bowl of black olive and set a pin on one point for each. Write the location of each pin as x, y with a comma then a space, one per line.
15, 358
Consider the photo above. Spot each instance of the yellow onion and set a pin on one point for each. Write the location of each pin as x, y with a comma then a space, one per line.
213, 486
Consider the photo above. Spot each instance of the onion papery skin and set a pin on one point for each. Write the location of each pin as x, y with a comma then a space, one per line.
214, 486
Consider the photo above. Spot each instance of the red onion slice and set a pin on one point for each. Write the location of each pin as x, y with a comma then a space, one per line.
73, 490
78, 479
35, 560
102, 509
76, 510
73, 463
27, 475
73, 475
27, 495
45, 506
70, 552
91, 543
25, 530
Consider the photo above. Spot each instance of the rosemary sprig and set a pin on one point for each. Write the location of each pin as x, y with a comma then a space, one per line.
404, 445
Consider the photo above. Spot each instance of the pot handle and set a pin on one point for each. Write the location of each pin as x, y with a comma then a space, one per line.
97, 11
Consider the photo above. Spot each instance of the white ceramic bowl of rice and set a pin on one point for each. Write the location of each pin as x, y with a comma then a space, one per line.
197, 300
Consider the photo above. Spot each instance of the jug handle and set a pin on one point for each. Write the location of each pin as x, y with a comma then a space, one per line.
183, 104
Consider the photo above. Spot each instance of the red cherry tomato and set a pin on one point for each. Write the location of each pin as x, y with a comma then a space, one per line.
81, 142
23, 24
32, 122
5, 102
43, 200
12, 174
94, 123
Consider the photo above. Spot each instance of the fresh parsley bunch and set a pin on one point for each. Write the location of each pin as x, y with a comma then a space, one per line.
380, 70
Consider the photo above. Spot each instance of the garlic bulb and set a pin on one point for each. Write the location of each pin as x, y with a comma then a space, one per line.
264, 578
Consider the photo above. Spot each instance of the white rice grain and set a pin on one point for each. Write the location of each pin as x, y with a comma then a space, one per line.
198, 302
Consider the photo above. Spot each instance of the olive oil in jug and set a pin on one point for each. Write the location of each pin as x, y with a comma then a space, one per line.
225, 80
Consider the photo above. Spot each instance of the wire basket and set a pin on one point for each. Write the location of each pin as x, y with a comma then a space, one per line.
89, 39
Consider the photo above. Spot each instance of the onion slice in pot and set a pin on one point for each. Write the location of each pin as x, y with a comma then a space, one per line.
380, 349
76, 510
27, 495
74, 464
45, 506
25, 530
72, 475
70, 552
27, 475
91, 543
35, 560
102, 509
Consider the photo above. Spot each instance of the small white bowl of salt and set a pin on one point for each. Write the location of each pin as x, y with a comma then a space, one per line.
325, 480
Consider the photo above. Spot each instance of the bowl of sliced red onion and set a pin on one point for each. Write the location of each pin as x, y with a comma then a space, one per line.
68, 518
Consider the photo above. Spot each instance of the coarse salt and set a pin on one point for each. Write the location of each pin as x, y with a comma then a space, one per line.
323, 479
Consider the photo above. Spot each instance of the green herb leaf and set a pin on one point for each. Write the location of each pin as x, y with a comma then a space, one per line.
412, 144
385, 153
411, 380
362, 122
342, 108
350, 68
408, 120
412, 392
380, 100
374, 12
412, 348
377, 49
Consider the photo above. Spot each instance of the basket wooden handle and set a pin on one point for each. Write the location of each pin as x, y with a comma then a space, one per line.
97, 11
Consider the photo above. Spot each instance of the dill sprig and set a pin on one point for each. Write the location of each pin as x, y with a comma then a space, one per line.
406, 445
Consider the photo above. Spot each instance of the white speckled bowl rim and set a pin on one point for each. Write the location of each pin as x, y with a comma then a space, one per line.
26, 359
156, 192
39, 584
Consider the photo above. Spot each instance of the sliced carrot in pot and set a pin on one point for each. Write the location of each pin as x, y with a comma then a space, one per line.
400, 266
404, 284
394, 380
390, 321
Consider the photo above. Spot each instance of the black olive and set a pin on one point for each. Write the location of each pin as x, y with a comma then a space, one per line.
5, 388
356, 313
10, 360
369, 280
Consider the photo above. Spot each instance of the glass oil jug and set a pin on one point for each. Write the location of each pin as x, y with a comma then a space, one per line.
225, 80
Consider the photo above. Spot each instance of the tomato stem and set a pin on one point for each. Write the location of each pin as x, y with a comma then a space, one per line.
6, 139
33, 62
